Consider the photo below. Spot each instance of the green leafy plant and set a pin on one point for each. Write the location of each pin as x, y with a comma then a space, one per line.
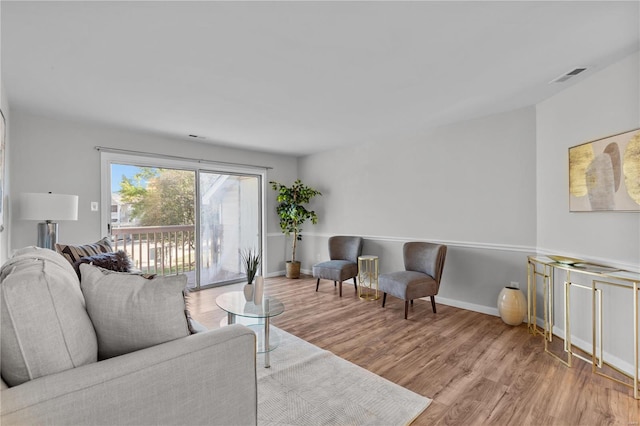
291, 210
251, 261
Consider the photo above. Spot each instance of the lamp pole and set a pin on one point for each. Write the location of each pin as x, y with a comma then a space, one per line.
47, 234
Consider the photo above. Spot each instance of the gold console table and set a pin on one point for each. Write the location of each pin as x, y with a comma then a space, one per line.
544, 268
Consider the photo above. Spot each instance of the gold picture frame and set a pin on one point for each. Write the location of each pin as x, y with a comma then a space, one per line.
2, 168
604, 174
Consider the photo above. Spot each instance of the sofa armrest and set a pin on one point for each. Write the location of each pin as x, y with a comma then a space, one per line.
206, 378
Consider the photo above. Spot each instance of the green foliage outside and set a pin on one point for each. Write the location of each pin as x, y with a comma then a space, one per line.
160, 197
163, 197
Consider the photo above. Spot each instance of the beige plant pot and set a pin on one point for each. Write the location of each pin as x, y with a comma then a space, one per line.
293, 270
512, 305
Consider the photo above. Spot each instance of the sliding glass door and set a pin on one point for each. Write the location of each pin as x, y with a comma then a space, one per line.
181, 220
229, 223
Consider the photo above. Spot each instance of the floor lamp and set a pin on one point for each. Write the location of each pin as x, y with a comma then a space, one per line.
48, 208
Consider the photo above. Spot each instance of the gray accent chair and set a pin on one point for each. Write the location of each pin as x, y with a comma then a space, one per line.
343, 252
423, 263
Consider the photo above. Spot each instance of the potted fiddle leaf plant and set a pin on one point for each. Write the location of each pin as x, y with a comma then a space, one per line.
251, 261
293, 214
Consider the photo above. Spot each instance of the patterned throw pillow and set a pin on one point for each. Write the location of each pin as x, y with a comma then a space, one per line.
75, 253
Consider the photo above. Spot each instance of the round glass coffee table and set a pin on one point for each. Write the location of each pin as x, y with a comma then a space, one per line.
236, 305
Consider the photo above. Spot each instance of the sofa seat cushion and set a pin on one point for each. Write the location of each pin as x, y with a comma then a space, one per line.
44, 326
130, 312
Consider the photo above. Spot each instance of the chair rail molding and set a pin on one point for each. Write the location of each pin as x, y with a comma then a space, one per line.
492, 246
452, 243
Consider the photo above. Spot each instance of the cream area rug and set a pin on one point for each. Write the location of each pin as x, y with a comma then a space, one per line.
307, 385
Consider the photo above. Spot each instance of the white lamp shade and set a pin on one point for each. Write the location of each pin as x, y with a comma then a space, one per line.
41, 206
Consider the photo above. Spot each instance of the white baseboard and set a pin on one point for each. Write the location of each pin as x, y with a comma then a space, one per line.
468, 306
449, 302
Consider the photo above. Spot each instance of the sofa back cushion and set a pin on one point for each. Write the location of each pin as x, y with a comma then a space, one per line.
130, 312
44, 326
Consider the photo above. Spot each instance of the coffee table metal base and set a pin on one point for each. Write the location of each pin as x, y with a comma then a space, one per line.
266, 339
246, 312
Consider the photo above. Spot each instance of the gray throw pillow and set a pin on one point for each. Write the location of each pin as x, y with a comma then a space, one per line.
130, 312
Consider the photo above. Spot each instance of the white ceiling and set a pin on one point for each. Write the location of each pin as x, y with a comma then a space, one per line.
300, 77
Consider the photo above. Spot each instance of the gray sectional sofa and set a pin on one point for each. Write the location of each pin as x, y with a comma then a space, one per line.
61, 366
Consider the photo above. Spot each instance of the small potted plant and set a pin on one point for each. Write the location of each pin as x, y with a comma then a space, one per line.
251, 261
293, 214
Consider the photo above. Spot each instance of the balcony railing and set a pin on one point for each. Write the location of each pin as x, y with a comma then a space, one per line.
162, 250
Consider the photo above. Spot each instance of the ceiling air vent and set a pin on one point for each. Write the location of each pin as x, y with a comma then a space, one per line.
566, 76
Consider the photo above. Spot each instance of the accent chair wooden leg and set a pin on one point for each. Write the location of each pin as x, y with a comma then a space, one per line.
318, 284
406, 308
340, 288
335, 283
433, 303
384, 299
411, 302
355, 284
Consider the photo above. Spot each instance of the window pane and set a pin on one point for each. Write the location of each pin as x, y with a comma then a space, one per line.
152, 216
229, 223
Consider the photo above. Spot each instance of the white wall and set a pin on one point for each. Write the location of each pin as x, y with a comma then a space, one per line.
58, 155
470, 185
604, 104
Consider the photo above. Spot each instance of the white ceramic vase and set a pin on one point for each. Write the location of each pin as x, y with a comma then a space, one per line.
258, 290
248, 292
512, 305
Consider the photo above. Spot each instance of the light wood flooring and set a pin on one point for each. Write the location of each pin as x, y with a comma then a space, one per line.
476, 369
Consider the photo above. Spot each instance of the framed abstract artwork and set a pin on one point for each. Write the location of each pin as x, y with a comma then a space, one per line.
2, 177
604, 175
